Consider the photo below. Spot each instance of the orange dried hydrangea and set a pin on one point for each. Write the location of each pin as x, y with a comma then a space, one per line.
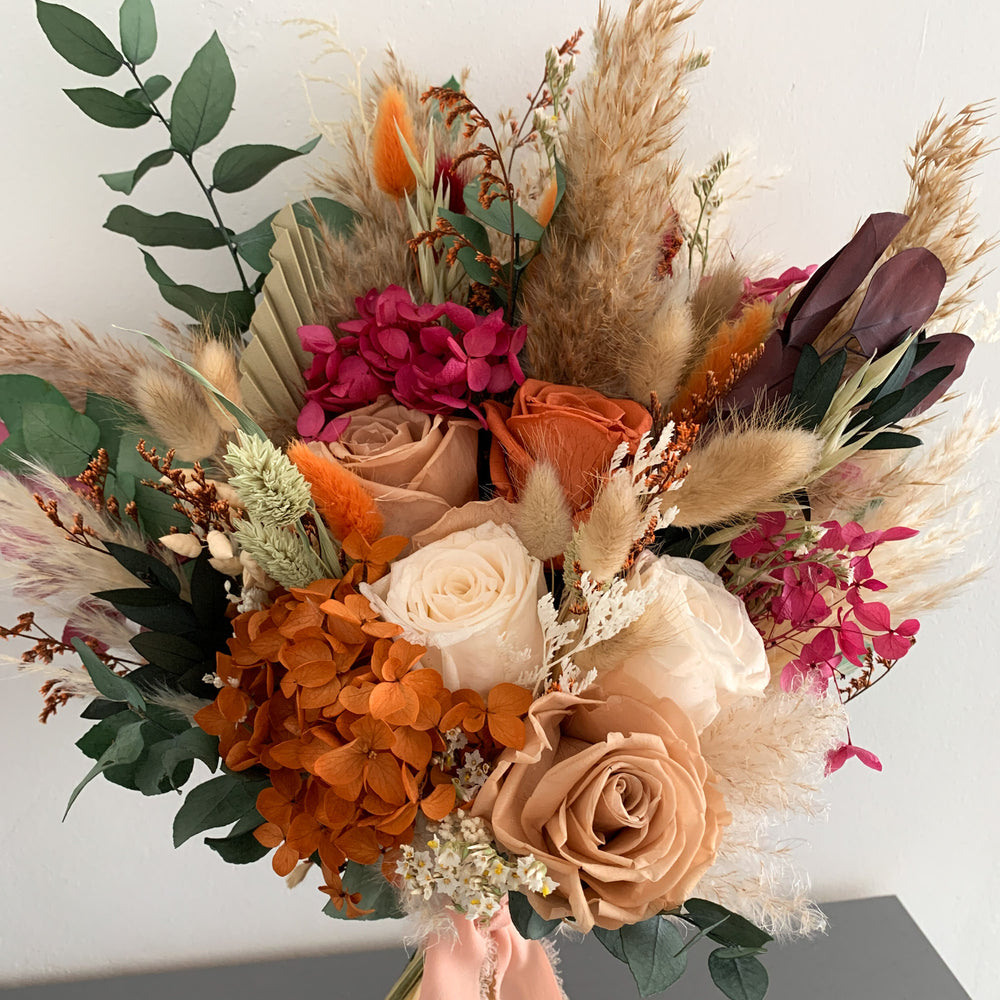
352, 730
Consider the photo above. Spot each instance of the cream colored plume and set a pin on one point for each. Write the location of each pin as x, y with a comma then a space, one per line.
271, 367
217, 363
601, 251
742, 471
542, 518
603, 542
178, 412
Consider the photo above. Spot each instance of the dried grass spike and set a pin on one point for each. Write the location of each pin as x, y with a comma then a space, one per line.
542, 518
176, 409
603, 543
740, 471
340, 496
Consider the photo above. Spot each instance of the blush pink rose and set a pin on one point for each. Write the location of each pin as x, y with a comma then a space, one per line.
613, 795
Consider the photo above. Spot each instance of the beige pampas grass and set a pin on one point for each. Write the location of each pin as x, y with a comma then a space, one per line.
178, 412
542, 518
742, 469
600, 254
73, 359
217, 363
603, 543
39, 563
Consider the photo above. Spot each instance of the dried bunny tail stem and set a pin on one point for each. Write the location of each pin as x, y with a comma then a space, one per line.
740, 470
73, 359
712, 301
661, 354
39, 562
769, 753
600, 254
602, 544
217, 363
178, 412
542, 518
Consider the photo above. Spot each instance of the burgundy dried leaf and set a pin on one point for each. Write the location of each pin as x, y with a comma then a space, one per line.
901, 297
952, 349
836, 280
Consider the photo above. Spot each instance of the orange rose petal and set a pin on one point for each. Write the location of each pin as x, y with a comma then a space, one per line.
439, 803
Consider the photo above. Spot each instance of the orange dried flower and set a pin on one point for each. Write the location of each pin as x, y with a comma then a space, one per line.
392, 172
353, 731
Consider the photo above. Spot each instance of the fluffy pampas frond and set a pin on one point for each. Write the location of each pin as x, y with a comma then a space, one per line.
542, 518
741, 469
175, 407
769, 757
39, 563
600, 254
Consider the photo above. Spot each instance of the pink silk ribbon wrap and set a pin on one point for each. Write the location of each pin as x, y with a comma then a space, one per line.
455, 968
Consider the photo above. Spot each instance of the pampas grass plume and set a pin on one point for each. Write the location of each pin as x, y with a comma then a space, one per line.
393, 127
542, 517
177, 412
740, 471
340, 496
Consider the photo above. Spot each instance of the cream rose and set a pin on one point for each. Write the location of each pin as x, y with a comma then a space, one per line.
416, 466
471, 599
613, 795
714, 655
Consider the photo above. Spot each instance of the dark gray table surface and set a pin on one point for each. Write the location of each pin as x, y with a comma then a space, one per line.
873, 951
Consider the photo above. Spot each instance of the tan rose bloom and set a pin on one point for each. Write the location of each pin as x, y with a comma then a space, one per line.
615, 798
416, 466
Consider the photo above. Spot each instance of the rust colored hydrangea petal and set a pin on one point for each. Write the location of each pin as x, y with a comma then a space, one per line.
285, 859
395, 704
385, 779
303, 834
413, 746
509, 699
439, 803
269, 835
360, 844
400, 823
507, 730
341, 766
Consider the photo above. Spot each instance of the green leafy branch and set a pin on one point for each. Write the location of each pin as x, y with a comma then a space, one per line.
200, 107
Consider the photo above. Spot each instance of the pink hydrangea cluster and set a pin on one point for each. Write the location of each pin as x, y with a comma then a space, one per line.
432, 358
813, 584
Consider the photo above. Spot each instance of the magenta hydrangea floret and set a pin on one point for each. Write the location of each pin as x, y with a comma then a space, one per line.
432, 358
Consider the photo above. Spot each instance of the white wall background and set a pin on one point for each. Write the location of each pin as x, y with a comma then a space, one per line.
828, 95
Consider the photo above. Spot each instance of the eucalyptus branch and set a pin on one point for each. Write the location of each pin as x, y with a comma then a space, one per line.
206, 189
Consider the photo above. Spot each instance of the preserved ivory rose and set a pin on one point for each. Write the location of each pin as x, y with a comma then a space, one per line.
417, 467
714, 655
614, 797
471, 599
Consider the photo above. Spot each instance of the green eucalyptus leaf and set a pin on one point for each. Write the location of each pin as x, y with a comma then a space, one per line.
59, 437
529, 924
889, 440
203, 98
241, 167
254, 245
108, 108
174, 229
79, 41
192, 744
734, 929
654, 951
739, 978
126, 748
612, 941
96, 740
173, 653
151, 571
240, 846
137, 27
126, 180
221, 312
217, 802
108, 683
18, 391
497, 216
152, 90
376, 893
153, 608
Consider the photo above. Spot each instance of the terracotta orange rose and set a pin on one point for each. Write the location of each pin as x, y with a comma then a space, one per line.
575, 429
613, 795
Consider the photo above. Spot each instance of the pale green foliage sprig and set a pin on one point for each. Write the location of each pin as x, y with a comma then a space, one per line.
284, 554
269, 485
706, 190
